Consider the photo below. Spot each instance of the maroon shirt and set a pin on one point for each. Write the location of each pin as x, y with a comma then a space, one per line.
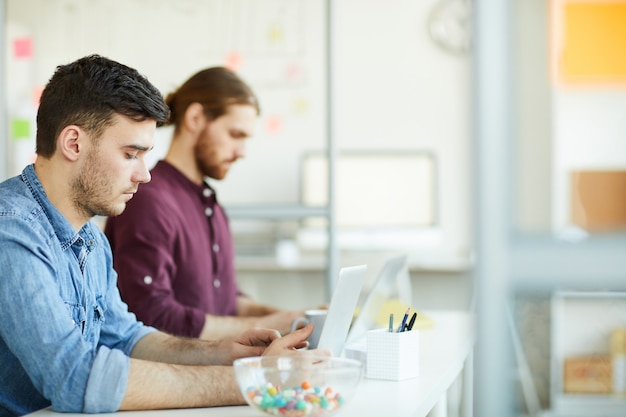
173, 251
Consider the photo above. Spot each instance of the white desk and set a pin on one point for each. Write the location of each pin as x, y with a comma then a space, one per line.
445, 350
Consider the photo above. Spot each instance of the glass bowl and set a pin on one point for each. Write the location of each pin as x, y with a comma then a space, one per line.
298, 385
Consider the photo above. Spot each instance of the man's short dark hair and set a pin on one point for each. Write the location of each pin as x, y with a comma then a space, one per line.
88, 93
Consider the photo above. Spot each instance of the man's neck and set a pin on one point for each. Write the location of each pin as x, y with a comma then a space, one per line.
58, 190
182, 157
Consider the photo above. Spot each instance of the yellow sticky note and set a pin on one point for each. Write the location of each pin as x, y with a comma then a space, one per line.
398, 308
594, 41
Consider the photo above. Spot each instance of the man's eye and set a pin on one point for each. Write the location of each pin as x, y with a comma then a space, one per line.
238, 135
131, 156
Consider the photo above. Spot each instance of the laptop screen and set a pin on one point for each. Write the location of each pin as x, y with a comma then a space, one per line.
341, 309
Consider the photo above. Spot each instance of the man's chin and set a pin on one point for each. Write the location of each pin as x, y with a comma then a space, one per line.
220, 175
113, 211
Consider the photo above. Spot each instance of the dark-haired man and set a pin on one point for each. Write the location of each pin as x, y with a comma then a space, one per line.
66, 338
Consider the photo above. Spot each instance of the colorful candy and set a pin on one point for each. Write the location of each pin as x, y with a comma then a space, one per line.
298, 401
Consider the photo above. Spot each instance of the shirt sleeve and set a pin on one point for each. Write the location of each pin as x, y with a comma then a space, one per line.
120, 330
144, 247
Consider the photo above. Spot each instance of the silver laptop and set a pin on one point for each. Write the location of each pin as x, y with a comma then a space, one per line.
345, 297
387, 282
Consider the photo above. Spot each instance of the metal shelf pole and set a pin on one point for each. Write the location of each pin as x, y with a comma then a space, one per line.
333, 250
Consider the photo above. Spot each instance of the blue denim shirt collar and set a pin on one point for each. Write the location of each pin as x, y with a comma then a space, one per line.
63, 229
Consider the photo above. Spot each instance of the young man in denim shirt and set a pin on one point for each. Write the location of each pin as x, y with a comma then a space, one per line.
66, 338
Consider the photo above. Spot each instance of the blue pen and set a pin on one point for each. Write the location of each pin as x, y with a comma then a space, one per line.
406, 316
409, 326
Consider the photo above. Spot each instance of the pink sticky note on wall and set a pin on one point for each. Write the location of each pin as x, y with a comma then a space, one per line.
232, 61
36, 94
23, 47
273, 124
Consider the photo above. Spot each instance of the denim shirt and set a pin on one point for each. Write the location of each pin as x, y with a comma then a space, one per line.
65, 334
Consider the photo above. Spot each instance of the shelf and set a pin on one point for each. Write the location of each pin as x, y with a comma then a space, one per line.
316, 262
275, 212
582, 322
574, 405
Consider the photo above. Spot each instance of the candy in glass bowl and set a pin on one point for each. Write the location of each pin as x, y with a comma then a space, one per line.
298, 385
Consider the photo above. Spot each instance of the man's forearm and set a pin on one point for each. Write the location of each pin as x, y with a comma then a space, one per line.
218, 327
161, 347
154, 385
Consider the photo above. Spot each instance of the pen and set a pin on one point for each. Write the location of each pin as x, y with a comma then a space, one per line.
406, 316
411, 322
391, 323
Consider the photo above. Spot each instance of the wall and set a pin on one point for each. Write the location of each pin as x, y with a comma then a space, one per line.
277, 46
533, 150
393, 87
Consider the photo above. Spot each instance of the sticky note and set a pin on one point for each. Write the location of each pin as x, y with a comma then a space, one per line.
36, 95
301, 105
273, 124
594, 40
233, 61
397, 308
275, 33
293, 72
23, 47
20, 128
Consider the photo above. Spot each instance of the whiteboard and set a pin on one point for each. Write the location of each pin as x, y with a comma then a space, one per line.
277, 46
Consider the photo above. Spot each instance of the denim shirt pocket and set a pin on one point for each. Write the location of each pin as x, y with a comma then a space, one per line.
78, 315
99, 311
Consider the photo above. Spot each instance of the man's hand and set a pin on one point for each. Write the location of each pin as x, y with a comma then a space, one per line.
257, 342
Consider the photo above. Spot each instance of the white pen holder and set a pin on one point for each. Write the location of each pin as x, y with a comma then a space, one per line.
392, 355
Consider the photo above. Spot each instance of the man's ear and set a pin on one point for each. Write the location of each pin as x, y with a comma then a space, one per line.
195, 119
70, 142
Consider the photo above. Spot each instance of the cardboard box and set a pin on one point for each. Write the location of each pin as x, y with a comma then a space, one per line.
599, 200
588, 375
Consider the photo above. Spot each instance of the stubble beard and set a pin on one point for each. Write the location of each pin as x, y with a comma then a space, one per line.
90, 189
